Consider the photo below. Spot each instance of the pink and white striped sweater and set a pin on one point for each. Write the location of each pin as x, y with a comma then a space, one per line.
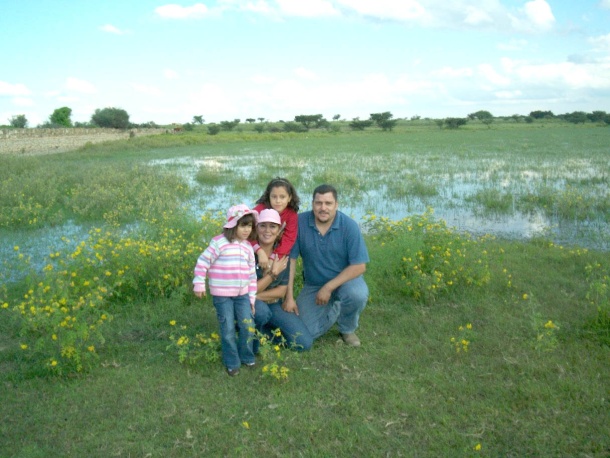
230, 268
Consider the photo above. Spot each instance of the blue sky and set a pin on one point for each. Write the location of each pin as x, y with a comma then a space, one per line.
274, 59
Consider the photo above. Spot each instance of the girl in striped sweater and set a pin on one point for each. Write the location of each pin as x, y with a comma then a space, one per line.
229, 264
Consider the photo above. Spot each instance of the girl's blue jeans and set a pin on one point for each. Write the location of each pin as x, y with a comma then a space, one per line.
236, 346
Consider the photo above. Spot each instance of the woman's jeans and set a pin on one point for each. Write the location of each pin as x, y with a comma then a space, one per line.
236, 347
269, 317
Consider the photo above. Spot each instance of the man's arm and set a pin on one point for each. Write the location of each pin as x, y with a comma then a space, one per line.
347, 274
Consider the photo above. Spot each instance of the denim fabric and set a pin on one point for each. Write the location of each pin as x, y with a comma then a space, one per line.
235, 312
269, 317
344, 307
292, 326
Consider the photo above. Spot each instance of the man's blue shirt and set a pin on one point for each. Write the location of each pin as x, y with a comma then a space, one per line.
325, 256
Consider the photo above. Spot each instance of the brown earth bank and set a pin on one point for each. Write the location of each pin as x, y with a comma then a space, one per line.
49, 141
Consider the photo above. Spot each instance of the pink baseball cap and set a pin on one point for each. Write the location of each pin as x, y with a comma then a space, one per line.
236, 212
269, 215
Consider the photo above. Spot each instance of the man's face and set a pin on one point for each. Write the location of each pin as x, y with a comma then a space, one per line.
325, 207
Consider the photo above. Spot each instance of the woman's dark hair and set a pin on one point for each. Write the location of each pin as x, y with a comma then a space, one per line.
246, 220
294, 203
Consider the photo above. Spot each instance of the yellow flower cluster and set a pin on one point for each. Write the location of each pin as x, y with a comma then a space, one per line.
437, 259
69, 299
462, 342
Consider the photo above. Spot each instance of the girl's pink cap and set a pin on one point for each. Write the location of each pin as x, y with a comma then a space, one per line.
236, 212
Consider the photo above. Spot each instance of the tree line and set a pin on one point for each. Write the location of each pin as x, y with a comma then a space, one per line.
118, 118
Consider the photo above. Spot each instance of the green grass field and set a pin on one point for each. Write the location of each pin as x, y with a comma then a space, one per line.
472, 346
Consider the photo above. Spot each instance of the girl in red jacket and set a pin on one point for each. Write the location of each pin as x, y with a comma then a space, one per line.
282, 196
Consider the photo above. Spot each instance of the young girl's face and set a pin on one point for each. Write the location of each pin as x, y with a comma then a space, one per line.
279, 198
243, 231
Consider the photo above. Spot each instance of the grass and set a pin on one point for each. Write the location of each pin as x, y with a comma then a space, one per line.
524, 387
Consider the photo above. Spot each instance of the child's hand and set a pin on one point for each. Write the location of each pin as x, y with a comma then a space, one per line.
252, 308
278, 265
200, 294
263, 260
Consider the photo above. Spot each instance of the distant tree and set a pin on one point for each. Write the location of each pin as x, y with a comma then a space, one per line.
61, 117
259, 128
198, 120
113, 118
336, 117
83, 124
576, 117
384, 120
260, 119
213, 129
440, 123
250, 120
415, 118
538, 114
358, 124
294, 127
480, 115
454, 123
597, 116
229, 125
529, 119
188, 127
308, 120
487, 121
19, 121
516, 117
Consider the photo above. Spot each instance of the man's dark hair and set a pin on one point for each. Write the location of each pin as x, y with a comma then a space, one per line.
324, 189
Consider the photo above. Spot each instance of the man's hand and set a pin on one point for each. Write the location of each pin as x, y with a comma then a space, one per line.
323, 295
200, 294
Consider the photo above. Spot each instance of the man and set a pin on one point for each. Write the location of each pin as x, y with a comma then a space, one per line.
334, 258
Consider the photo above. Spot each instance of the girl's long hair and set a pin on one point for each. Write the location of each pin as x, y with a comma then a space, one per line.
295, 202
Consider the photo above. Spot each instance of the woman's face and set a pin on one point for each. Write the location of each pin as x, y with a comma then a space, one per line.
279, 198
267, 233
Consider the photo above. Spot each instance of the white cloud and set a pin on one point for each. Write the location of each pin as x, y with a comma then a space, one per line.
23, 102
539, 14
111, 29
13, 89
491, 75
309, 8
509, 95
170, 74
451, 72
173, 11
305, 74
385, 9
144, 89
77, 85
605, 4
513, 45
601, 43
262, 79
476, 16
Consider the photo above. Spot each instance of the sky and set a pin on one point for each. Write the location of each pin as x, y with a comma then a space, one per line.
276, 59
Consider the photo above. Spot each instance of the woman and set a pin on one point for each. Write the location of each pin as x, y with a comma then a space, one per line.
272, 286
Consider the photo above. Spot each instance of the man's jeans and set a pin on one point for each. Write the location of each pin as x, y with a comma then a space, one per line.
231, 311
344, 307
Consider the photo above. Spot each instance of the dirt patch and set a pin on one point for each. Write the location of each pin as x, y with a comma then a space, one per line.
50, 141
